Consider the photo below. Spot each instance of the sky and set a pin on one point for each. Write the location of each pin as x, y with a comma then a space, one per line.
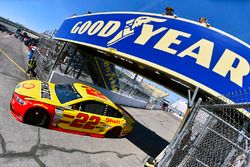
231, 16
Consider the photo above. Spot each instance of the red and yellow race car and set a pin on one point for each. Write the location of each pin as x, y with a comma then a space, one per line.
74, 108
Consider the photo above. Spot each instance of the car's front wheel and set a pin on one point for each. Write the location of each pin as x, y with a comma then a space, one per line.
37, 117
114, 132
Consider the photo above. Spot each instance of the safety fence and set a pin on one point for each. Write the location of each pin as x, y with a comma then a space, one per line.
70, 60
215, 134
46, 54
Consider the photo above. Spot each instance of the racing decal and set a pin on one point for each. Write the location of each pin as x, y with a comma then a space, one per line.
93, 121
45, 90
93, 92
81, 120
28, 85
57, 116
68, 116
113, 121
64, 122
41, 105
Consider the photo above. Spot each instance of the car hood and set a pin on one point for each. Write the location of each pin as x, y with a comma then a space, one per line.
39, 90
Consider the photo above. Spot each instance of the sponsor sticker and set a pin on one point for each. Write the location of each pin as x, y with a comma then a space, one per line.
28, 85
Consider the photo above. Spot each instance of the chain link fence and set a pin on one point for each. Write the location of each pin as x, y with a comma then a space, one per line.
215, 134
69, 59
46, 54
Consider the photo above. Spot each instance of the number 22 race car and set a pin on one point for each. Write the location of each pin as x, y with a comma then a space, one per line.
74, 108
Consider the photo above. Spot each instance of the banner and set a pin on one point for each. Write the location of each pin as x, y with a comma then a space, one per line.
108, 73
205, 57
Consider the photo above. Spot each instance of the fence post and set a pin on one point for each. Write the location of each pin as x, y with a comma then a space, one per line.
171, 148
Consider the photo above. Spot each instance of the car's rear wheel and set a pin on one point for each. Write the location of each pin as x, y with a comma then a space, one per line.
37, 117
114, 132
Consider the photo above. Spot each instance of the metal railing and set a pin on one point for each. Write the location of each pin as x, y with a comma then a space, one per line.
46, 54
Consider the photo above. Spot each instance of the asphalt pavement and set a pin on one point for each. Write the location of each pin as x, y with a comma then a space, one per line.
24, 145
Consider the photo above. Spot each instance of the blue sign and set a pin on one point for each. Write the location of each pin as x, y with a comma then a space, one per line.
205, 57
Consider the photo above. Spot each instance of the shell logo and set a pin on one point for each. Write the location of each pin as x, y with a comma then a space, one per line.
28, 85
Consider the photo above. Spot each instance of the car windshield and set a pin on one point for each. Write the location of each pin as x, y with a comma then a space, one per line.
66, 93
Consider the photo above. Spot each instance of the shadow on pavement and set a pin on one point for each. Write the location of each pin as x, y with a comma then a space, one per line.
147, 140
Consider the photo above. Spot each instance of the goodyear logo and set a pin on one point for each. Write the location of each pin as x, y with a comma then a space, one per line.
106, 30
201, 56
224, 66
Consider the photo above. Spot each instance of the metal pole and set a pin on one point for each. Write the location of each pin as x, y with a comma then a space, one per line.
59, 55
194, 96
189, 98
178, 136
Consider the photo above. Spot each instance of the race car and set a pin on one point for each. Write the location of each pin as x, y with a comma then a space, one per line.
74, 108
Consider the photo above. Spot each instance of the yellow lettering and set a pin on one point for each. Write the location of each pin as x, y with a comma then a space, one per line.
84, 27
95, 27
225, 64
146, 33
75, 28
204, 55
170, 38
110, 28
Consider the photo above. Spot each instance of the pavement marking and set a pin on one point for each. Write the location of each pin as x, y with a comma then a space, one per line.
4, 36
5, 54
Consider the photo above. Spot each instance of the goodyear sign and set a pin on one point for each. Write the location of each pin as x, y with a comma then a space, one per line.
205, 57
109, 75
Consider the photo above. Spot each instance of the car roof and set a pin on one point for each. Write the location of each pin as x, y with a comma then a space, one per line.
90, 93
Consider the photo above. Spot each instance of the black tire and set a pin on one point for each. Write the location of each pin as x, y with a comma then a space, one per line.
114, 132
37, 117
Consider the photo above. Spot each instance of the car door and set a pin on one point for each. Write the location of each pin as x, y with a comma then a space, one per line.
104, 116
82, 117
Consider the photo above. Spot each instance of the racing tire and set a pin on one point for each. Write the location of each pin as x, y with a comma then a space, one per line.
37, 117
113, 133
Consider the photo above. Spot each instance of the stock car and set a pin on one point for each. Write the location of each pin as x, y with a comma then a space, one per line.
73, 108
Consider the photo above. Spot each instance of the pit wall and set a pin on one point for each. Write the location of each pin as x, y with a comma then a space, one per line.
57, 78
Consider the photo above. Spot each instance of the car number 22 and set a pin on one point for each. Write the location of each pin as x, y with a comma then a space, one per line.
83, 121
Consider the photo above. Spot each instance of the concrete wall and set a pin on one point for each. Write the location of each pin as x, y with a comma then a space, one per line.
10, 27
14, 28
116, 98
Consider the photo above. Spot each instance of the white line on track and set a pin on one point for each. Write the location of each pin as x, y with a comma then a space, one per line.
5, 54
6, 36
